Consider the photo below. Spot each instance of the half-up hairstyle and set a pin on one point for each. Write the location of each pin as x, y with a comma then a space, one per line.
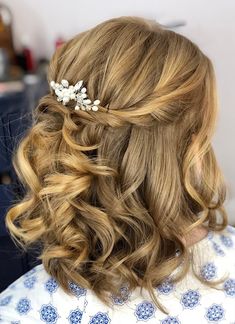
111, 195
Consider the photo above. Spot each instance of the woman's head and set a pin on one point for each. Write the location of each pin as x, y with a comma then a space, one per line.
110, 196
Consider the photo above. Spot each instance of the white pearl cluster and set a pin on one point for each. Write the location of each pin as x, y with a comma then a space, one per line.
66, 92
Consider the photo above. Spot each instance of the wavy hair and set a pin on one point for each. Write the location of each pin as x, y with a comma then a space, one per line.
110, 196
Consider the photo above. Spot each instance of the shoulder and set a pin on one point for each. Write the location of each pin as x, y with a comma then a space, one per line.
36, 297
214, 256
223, 242
218, 246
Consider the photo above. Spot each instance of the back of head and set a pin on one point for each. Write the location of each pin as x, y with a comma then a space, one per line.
110, 195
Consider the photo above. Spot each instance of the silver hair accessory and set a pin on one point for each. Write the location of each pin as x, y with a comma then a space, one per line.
66, 92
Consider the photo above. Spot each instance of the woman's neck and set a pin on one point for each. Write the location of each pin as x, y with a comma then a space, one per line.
196, 235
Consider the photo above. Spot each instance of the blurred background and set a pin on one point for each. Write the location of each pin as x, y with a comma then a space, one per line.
30, 30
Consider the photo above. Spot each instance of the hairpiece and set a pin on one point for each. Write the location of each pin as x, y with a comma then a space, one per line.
66, 92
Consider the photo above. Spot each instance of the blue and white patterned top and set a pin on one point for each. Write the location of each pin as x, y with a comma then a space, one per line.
37, 298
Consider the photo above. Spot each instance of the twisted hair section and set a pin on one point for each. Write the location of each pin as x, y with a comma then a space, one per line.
110, 196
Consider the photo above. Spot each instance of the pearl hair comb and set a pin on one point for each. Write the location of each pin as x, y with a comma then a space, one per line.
66, 92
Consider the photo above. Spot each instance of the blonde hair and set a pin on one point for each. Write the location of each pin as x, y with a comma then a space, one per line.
110, 196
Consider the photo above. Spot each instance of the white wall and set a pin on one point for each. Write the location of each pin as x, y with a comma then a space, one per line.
210, 24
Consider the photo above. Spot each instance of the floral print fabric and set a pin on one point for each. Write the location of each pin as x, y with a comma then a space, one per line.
36, 297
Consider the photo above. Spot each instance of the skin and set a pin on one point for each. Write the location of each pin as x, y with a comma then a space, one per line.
196, 235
